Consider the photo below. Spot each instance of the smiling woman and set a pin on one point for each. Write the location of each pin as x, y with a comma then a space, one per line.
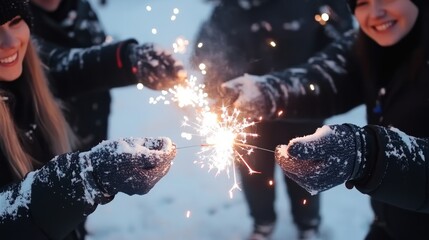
14, 38
46, 190
386, 22
384, 66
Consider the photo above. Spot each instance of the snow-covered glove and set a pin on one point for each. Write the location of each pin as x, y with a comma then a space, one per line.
130, 165
53, 200
155, 67
331, 156
254, 96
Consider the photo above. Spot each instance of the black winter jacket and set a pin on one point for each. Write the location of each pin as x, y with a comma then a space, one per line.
237, 41
72, 44
335, 81
55, 207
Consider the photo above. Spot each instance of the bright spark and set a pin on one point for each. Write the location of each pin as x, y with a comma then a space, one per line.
140, 86
325, 17
180, 45
222, 133
191, 93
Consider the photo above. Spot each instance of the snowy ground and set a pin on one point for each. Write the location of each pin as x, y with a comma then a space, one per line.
161, 214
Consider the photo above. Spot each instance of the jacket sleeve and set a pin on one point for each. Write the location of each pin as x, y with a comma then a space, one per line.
328, 82
398, 169
75, 71
51, 201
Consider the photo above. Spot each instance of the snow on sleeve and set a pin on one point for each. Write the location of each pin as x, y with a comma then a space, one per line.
410, 142
11, 200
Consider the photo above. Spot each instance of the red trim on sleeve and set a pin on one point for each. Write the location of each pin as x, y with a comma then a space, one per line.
118, 56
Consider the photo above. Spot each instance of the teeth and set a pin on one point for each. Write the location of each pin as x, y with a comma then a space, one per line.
9, 59
384, 26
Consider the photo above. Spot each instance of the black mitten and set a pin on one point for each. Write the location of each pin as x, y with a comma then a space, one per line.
254, 96
130, 165
154, 67
325, 159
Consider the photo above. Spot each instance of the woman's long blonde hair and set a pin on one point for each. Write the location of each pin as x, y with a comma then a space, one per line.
49, 119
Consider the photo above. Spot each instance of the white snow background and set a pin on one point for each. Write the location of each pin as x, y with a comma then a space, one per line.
161, 214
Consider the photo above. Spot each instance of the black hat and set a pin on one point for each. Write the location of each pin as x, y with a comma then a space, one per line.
12, 8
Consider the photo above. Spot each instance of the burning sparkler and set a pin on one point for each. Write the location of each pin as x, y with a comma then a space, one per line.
222, 131
224, 136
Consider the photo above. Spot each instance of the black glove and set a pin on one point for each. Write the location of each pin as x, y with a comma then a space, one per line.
254, 96
130, 165
155, 68
329, 157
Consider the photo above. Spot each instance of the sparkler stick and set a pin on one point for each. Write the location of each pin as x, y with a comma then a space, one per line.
239, 144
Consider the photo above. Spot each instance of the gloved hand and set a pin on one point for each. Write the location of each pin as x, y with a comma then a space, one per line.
254, 96
154, 67
331, 156
130, 165
71, 185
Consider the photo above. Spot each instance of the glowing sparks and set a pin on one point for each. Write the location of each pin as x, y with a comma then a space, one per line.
202, 67
322, 18
325, 17
223, 136
140, 86
191, 93
188, 214
271, 182
222, 132
304, 202
180, 45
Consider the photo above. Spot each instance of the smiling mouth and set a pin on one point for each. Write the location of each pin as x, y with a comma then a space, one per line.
10, 59
384, 26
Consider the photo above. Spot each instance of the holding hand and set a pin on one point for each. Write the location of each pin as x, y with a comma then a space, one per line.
331, 156
154, 67
130, 165
254, 96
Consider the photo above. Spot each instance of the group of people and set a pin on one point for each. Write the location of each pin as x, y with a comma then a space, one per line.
56, 166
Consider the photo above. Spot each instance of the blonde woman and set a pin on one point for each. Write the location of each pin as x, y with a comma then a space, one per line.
42, 198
